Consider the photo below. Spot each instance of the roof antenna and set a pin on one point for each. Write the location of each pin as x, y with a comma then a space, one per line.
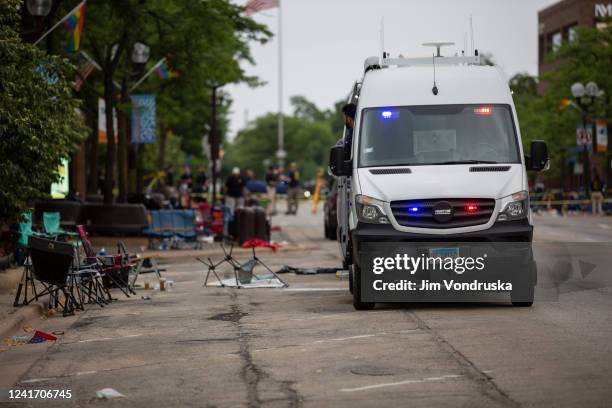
382, 40
471, 35
435, 88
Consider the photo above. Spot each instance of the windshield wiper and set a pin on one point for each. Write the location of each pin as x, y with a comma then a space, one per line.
465, 162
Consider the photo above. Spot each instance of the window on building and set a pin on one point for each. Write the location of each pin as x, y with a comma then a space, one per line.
557, 40
571, 33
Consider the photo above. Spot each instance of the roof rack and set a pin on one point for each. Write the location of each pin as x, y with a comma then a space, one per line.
405, 62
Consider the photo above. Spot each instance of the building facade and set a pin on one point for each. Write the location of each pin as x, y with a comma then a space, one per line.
557, 24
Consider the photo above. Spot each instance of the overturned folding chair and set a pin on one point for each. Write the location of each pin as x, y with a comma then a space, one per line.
244, 273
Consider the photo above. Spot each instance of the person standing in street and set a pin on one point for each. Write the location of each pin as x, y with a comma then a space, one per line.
234, 190
201, 181
293, 190
597, 196
271, 183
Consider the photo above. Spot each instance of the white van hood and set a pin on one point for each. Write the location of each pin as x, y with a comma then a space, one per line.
441, 181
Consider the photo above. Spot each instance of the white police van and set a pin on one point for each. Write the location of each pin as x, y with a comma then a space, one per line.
436, 155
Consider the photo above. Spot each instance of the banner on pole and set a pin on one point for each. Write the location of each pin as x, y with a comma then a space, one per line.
601, 130
584, 135
143, 119
102, 135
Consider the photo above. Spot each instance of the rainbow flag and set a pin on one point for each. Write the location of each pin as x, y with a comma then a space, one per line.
165, 72
564, 103
74, 25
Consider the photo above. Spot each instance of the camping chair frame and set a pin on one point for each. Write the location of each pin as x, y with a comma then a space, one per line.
237, 266
53, 265
110, 266
26, 284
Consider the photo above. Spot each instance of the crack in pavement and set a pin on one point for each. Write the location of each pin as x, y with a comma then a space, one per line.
252, 374
485, 381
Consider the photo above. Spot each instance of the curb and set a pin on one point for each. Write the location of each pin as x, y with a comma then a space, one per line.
23, 314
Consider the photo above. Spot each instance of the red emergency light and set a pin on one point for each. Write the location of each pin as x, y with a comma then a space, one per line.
483, 110
471, 208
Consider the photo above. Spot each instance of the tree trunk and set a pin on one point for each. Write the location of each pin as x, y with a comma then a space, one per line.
92, 153
139, 169
122, 147
109, 179
163, 137
132, 171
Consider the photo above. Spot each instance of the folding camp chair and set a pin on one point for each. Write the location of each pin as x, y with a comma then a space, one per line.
26, 284
184, 227
115, 268
51, 225
157, 229
52, 265
244, 272
25, 230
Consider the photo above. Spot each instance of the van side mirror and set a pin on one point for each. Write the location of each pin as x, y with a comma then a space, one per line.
539, 159
337, 165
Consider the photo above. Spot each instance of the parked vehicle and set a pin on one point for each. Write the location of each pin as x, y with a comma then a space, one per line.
436, 156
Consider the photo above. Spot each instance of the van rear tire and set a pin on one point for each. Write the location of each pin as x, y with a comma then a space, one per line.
358, 304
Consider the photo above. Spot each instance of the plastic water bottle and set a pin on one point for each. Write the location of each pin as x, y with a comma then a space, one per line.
102, 252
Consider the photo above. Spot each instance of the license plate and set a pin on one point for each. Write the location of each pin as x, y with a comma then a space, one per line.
444, 252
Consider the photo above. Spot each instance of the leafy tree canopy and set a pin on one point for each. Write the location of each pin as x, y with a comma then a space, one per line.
39, 122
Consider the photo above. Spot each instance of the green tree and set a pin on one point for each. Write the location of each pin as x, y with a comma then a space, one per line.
308, 137
587, 58
39, 124
206, 41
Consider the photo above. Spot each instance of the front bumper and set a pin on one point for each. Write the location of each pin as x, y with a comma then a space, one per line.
505, 250
505, 231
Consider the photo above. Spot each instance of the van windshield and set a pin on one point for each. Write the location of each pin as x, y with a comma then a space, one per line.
437, 134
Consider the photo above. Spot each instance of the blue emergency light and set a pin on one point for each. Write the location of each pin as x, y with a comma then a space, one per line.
389, 115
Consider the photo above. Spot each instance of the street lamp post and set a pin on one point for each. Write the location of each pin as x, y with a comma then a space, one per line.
127, 152
584, 98
38, 9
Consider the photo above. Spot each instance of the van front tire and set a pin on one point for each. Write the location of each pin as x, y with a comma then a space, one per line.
357, 303
523, 289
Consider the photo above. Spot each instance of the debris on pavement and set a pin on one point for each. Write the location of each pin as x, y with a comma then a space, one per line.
258, 243
145, 297
307, 271
41, 337
108, 393
259, 283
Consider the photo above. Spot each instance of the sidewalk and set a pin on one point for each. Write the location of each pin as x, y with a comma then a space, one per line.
13, 318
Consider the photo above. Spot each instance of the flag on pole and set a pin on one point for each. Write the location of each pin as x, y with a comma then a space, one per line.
564, 103
73, 23
255, 6
165, 72
86, 66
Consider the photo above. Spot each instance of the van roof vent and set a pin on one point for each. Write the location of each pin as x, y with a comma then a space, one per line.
489, 168
394, 170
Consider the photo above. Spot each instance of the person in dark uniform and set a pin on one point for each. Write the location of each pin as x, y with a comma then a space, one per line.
348, 111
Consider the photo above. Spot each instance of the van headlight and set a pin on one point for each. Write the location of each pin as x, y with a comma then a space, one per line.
514, 207
370, 210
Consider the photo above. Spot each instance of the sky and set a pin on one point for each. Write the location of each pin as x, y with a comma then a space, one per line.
326, 41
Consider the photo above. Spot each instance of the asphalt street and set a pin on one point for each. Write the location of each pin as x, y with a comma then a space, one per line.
305, 345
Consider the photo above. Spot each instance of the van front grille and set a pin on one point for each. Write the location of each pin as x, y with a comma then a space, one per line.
434, 213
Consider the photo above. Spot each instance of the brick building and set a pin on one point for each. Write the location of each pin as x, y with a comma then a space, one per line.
557, 24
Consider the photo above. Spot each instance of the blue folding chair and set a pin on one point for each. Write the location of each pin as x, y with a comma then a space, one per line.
159, 228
